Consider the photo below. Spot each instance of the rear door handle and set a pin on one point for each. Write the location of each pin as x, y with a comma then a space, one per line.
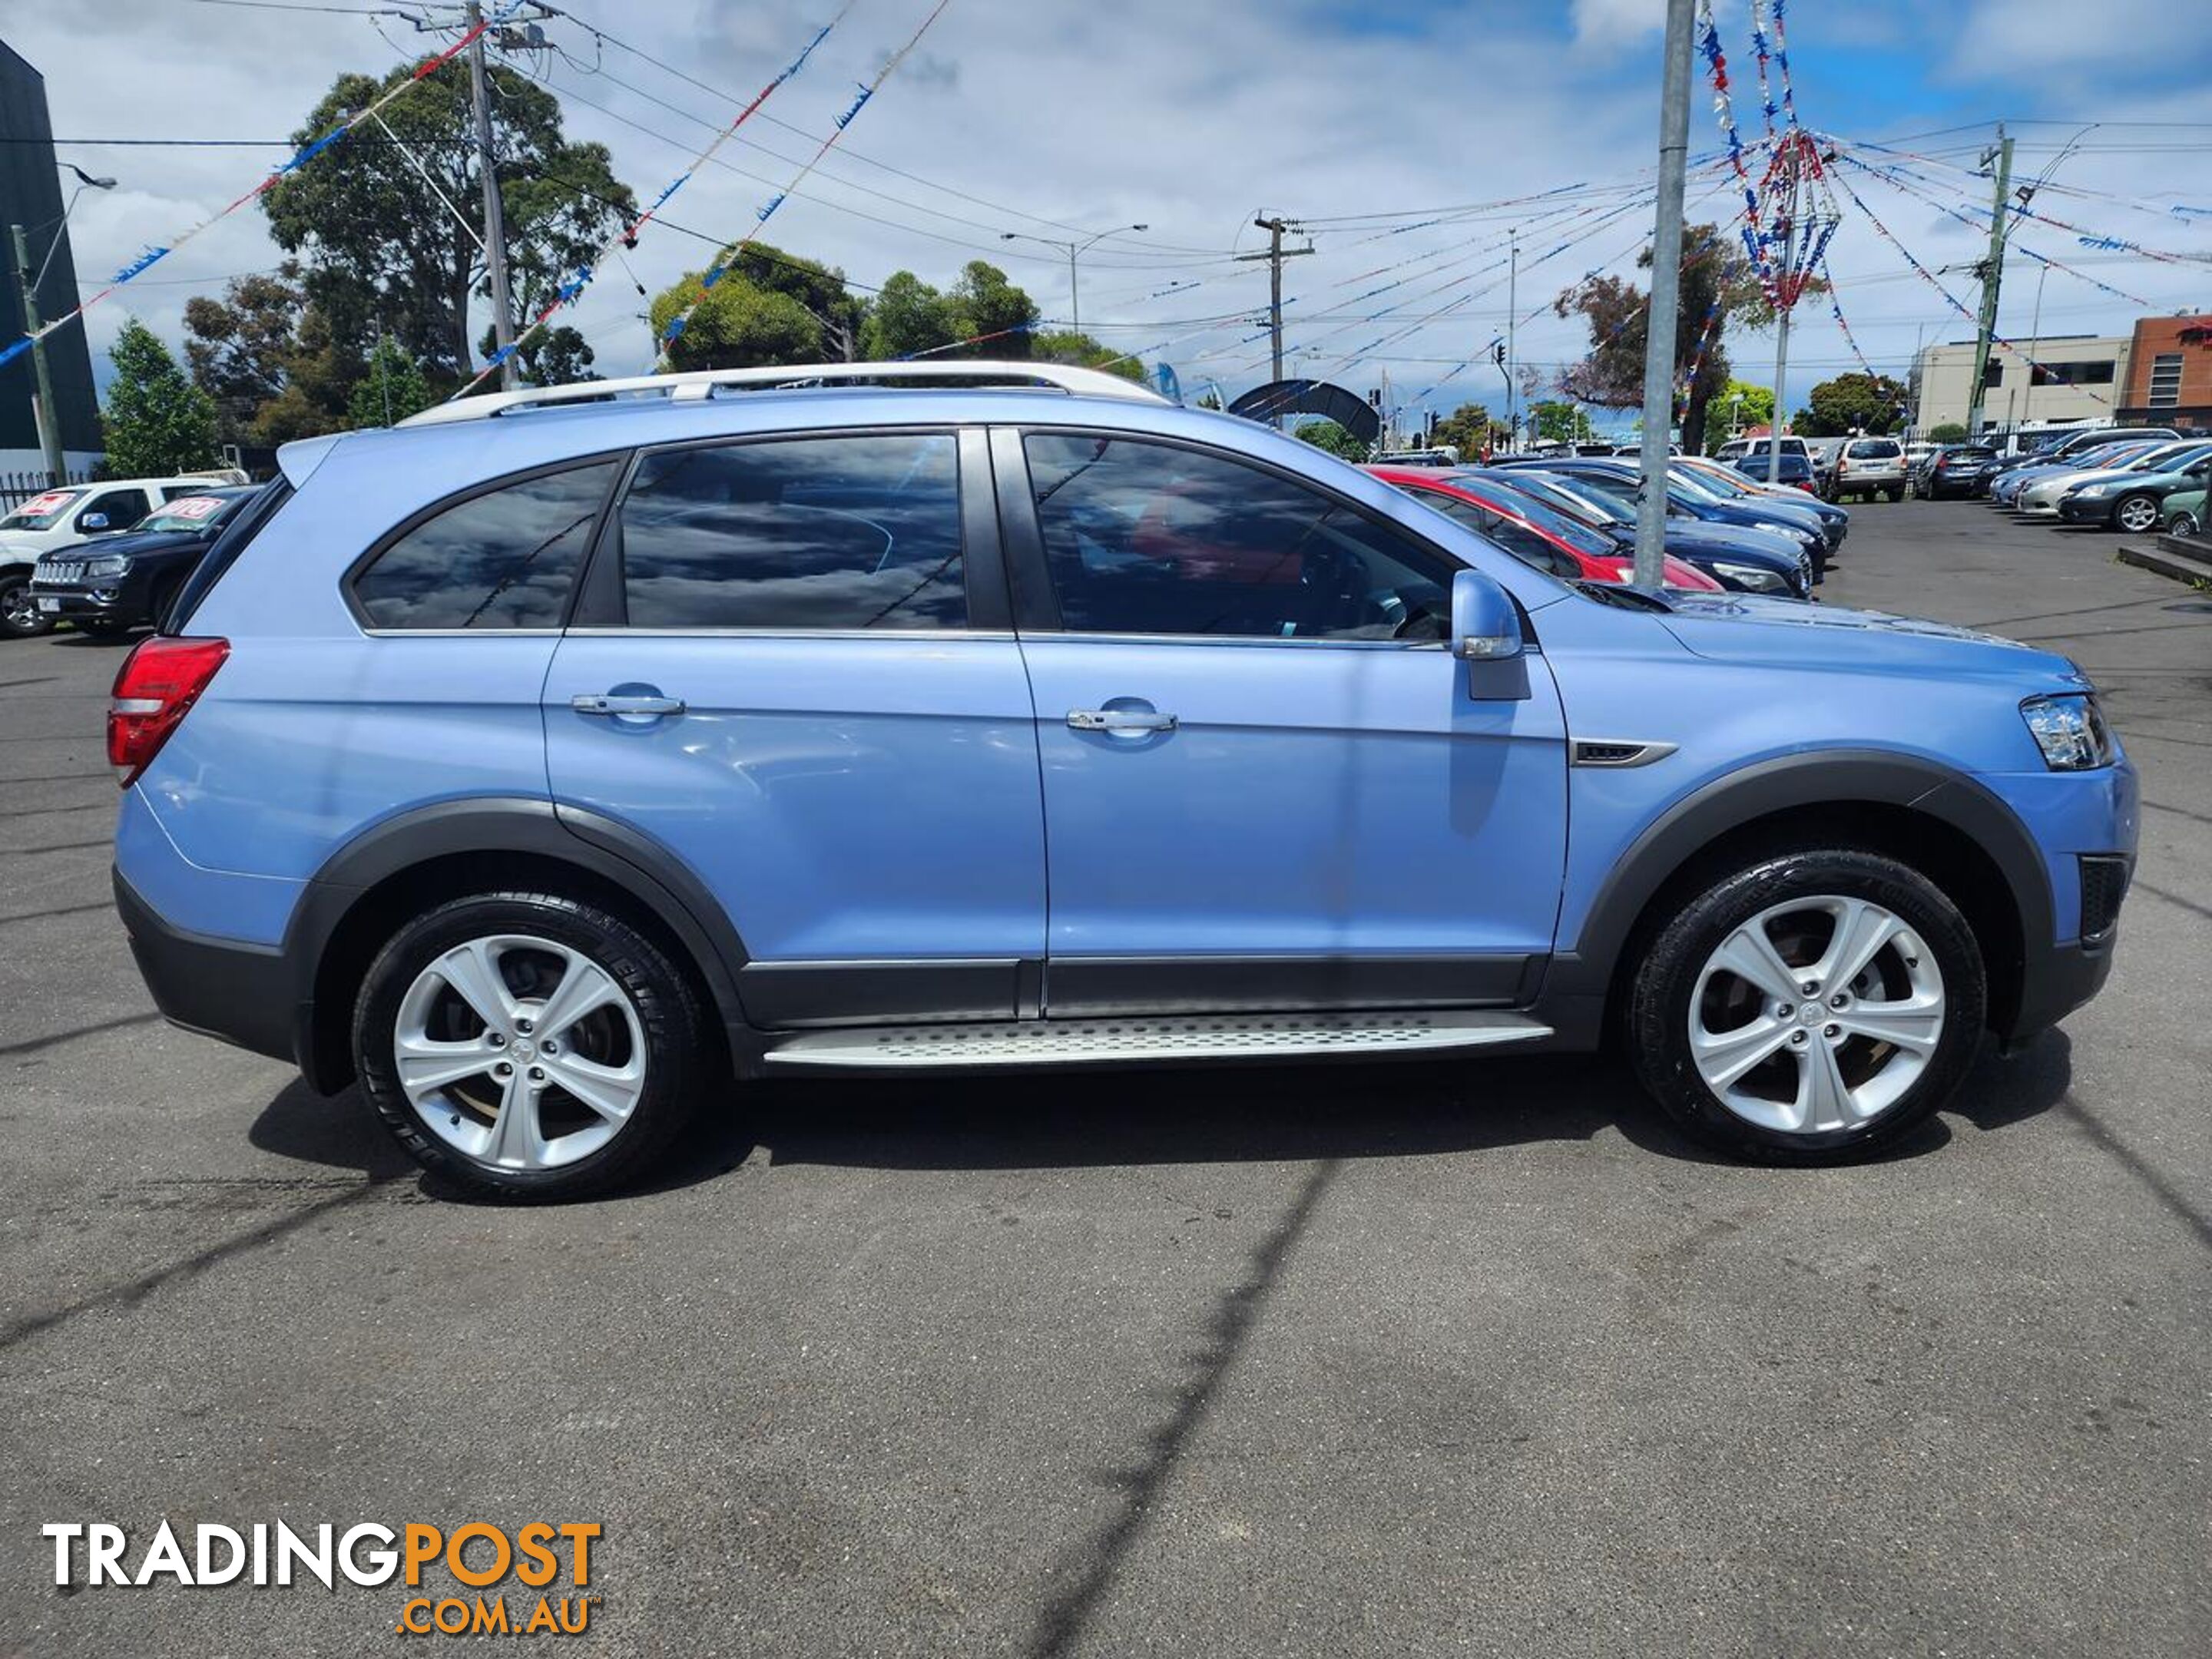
1119, 719
619, 702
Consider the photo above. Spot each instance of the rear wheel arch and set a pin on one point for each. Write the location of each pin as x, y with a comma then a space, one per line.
404, 866
1937, 821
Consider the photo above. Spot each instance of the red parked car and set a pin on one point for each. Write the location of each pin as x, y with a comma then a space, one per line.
1532, 531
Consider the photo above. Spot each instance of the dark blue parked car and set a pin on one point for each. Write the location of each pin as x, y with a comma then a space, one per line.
1760, 464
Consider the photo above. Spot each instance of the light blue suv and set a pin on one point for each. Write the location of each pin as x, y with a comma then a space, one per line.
563, 759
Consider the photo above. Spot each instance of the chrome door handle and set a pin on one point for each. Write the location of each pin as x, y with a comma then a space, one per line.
623, 703
1119, 719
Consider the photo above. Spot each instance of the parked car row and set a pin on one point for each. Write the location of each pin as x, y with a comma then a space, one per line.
2117, 478
108, 556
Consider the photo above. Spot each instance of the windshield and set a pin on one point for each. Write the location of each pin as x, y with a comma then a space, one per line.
1712, 479
1583, 506
1697, 490
1558, 525
194, 512
42, 512
2167, 457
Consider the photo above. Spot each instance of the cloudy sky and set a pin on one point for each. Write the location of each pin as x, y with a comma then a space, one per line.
1409, 137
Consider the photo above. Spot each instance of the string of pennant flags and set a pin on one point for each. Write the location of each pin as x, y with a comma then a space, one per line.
676, 324
153, 255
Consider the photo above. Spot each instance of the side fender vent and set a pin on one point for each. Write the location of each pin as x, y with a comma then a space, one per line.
1618, 752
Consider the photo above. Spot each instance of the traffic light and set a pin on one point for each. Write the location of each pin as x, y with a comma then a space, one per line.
1497, 352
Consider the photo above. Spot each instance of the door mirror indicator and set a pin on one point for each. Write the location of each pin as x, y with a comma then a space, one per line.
1485, 626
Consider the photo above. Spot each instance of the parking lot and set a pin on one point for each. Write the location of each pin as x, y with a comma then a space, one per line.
1359, 1360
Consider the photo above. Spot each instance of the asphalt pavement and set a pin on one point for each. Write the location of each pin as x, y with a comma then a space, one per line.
1374, 1359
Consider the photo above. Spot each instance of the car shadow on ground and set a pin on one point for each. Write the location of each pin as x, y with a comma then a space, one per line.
1077, 1120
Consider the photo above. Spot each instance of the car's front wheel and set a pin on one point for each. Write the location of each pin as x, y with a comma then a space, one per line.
2182, 524
2137, 514
19, 611
1811, 1007
528, 1045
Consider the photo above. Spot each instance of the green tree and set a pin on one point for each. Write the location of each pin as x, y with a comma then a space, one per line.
1949, 432
1469, 429
1066, 346
1739, 401
1327, 435
156, 420
910, 316
767, 307
1552, 420
391, 390
1873, 404
375, 240
266, 355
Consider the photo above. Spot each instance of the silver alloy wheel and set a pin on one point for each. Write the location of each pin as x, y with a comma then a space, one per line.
519, 1053
2137, 514
1817, 1014
17, 608
2183, 525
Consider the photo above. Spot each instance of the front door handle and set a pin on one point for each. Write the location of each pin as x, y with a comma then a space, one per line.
1125, 721
622, 702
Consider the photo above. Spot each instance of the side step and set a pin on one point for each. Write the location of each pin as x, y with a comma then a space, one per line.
1152, 1040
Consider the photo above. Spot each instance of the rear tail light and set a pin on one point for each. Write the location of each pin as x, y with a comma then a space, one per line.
157, 686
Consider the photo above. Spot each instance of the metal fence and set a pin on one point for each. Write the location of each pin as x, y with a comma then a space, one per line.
17, 488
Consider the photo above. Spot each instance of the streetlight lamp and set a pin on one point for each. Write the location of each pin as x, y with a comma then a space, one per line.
1074, 299
43, 412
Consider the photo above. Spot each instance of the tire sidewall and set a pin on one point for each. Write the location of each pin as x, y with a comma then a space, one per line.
668, 1014
1659, 1009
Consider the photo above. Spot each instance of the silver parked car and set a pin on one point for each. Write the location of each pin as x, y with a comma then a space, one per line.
1867, 467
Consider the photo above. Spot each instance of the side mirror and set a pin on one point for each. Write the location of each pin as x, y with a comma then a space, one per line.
92, 521
1485, 626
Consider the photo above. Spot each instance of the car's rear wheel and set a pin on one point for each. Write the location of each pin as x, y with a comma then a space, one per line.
1812, 1008
529, 1046
19, 611
2136, 514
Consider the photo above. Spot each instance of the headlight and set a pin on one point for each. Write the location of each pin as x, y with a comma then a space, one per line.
112, 564
2070, 730
1756, 577
2094, 489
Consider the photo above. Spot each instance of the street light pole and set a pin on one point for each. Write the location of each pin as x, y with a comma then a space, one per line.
45, 414
1074, 292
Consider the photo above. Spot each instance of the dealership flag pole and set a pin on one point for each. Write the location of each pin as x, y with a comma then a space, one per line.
1665, 292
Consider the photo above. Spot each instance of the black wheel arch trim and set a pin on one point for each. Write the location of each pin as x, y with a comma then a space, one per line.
1819, 778
606, 848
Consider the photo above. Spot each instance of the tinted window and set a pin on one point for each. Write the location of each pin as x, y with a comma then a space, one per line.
1148, 539
122, 506
503, 559
807, 533
1875, 449
1522, 543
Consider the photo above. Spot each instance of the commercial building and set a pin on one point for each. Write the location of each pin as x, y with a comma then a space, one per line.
2076, 378
31, 196
2169, 378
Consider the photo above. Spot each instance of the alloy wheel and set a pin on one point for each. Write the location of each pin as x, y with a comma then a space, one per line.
19, 611
519, 1053
1816, 1015
2137, 514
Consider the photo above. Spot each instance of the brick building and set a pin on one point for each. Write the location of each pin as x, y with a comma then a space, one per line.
2169, 378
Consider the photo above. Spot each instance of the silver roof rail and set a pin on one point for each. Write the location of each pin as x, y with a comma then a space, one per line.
698, 383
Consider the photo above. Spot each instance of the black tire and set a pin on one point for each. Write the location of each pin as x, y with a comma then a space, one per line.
680, 1060
1895, 492
18, 621
2182, 523
1659, 1004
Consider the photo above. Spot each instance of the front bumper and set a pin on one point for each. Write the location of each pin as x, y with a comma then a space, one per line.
238, 993
64, 604
2076, 511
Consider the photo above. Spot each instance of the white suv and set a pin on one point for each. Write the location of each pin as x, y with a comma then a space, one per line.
1867, 467
55, 519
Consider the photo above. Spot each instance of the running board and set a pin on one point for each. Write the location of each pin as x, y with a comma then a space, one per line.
1165, 1039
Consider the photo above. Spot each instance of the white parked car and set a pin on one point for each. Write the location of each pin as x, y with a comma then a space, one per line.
55, 519
1868, 467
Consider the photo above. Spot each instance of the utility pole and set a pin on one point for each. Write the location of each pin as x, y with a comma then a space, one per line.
1992, 278
1782, 310
494, 238
1512, 362
45, 414
1666, 298
1274, 256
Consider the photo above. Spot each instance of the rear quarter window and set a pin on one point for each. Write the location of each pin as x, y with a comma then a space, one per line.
505, 557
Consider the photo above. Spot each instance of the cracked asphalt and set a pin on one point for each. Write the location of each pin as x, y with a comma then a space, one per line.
1376, 1359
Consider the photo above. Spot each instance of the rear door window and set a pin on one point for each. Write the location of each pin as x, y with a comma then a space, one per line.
857, 533
1875, 449
504, 558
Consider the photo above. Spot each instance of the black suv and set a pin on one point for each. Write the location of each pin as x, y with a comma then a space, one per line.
118, 582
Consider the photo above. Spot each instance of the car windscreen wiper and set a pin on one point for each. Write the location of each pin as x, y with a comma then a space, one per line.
1620, 594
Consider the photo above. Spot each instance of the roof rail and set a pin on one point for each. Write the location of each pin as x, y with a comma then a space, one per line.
699, 383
